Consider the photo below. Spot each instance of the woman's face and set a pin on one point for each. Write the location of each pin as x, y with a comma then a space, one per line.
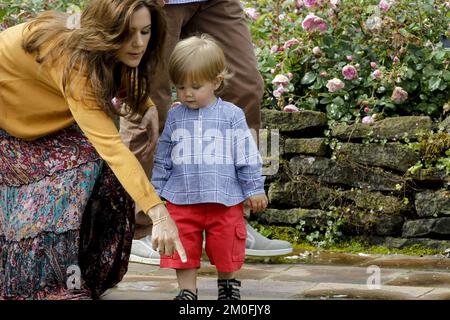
134, 48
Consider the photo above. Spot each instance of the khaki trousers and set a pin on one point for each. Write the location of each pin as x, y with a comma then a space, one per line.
224, 20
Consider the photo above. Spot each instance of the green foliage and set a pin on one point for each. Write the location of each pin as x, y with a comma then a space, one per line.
322, 233
13, 12
403, 42
434, 151
434, 146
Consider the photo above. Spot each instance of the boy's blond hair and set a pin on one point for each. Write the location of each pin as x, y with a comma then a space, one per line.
198, 59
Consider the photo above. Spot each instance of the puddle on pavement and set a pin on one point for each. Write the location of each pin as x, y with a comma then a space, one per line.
300, 256
313, 257
440, 280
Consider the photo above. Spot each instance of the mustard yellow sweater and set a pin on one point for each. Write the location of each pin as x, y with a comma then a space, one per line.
32, 105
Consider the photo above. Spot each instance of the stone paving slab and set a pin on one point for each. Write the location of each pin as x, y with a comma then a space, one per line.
411, 262
437, 294
356, 275
289, 281
359, 291
422, 279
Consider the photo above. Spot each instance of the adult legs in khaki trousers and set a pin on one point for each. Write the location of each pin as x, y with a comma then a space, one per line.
224, 20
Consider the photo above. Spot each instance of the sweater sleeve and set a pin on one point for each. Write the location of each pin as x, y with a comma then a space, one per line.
104, 136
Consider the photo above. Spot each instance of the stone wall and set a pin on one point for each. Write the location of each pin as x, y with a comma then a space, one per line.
357, 175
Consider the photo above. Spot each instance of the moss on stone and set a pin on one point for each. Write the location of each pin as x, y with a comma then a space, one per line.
353, 245
432, 147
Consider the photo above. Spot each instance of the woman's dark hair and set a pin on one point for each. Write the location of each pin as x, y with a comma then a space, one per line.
91, 50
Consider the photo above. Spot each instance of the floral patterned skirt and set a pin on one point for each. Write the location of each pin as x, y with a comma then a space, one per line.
66, 223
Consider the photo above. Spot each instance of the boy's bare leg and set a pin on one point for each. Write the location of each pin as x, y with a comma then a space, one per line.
225, 275
187, 279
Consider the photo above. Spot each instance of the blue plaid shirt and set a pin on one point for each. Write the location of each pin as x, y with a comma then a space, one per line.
207, 155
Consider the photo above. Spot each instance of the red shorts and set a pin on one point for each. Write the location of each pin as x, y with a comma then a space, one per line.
225, 235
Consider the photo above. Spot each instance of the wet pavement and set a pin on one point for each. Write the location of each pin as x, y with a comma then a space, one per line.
305, 276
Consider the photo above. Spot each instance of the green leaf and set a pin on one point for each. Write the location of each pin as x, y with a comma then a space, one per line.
338, 101
439, 55
316, 86
410, 73
2, 14
446, 75
308, 78
434, 83
429, 71
325, 100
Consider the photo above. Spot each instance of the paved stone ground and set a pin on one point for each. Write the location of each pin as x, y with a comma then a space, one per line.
306, 276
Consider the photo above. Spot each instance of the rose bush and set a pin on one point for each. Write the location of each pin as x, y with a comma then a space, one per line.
13, 12
344, 57
337, 56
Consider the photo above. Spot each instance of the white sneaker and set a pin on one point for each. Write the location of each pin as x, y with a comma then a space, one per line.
142, 252
258, 245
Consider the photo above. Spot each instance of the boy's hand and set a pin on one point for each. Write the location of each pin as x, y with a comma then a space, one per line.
257, 202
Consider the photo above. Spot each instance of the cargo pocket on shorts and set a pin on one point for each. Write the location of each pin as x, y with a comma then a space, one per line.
240, 235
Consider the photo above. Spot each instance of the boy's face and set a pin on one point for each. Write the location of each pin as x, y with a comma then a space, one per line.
197, 95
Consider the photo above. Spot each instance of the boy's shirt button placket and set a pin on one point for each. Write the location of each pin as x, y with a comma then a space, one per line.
200, 127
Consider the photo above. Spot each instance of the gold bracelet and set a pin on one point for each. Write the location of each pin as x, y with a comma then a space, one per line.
159, 220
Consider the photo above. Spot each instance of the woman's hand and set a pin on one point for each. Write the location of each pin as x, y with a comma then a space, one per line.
165, 233
257, 202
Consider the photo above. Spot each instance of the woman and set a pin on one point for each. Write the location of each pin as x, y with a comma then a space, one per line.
66, 223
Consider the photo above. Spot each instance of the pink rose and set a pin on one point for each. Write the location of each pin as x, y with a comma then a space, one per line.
323, 74
395, 59
349, 58
334, 85
384, 5
349, 72
310, 3
374, 23
252, 13
367, 120
316, 51
290, 43
278, 92
290, 75
377, 74
373, 65
366, 109
280, 80
334, 3
290, 108
312, 22
399, 95
274, 49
